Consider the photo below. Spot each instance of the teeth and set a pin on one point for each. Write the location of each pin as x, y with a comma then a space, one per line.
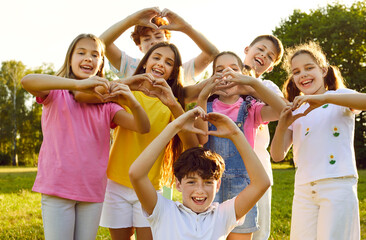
199, 199
259, 61
306, 82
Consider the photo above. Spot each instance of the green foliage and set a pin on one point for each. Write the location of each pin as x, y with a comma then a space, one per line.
341, 32
20, 126
20, 208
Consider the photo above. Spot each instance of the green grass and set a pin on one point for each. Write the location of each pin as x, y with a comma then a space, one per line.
20, 208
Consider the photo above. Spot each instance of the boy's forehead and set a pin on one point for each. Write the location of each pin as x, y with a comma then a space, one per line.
196, 175
269, 45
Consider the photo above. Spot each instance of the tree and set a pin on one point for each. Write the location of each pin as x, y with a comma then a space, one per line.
20, 126
341, 32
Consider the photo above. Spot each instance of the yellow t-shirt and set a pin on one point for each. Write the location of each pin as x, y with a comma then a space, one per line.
127, 145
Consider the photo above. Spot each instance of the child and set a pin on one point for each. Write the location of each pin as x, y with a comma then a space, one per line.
197, 173
151, 28
320, 124
248, 115
74, 154
162, 86
263, 53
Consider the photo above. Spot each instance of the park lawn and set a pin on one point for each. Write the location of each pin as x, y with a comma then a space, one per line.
20, 208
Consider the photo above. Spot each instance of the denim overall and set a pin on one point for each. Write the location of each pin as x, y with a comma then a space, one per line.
235, 178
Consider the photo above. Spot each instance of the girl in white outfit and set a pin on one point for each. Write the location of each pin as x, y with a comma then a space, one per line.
319, 122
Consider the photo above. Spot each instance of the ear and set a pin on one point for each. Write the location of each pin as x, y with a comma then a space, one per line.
178, 185
246, 49
218, 184
325, 71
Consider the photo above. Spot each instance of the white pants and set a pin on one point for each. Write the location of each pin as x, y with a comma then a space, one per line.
264, 216
67, 219
326, 209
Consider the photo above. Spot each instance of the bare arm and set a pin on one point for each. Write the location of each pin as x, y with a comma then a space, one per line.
141, 17
162, 90
138, 121
140, 168
40, 85
350, 100
259, 180
275, 103
206, 92
209, 51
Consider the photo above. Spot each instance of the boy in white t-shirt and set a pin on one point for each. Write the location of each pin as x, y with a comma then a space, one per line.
198, 172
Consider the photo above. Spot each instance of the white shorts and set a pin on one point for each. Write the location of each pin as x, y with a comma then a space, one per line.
326, 209
122, 208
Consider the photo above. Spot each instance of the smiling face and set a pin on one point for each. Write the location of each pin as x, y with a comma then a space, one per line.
150, 38
307, 75
86, 59
197, 193
261, 56
161, 62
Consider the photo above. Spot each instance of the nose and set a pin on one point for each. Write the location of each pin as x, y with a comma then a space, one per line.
199, 189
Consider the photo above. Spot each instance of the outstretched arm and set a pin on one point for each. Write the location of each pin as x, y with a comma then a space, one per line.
40, 85
140, 168
141, 18
209, 51
351, 100
259, 180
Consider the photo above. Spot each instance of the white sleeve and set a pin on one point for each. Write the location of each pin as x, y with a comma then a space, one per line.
273, 87
128, 66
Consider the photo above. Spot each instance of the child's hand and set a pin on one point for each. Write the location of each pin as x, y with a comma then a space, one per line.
121, 94
235, 77
226, 128
314, 101
286, 116
186, 121
144, 17
211, 87
162, 90
176, 23
140, 82
91, 84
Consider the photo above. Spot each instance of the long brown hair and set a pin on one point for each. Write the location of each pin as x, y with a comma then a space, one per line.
66, 71
174, 148
332, 81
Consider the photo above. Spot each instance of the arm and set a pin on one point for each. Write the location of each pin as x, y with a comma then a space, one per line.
259, 180
275, 103
162, 90
350, 100
138, 121
141, 166
139, 82
209, 51
141, 17
40, 85
206, 92
282, 139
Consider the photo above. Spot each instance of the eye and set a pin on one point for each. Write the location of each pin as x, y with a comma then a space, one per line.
146, 39
95, 55
270, 58
80, 53
260, 49
169, 63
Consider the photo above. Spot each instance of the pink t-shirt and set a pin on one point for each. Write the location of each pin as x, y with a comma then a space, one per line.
251, 123
74, 155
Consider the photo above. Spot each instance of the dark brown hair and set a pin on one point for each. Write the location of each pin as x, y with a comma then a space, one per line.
174, 148
202, 161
